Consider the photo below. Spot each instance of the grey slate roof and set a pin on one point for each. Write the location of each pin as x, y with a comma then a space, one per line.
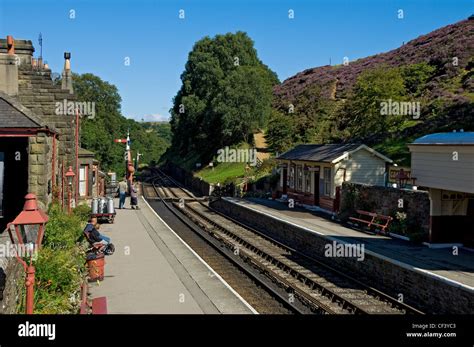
15, 115
10, 117
319, 153
458, 138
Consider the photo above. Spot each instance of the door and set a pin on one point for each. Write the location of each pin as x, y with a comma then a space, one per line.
285, 177
316, 188
14, 177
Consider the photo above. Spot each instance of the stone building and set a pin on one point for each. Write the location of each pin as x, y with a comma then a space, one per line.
39, 141
29, 98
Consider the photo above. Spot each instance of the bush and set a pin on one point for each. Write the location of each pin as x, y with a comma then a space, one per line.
60, 264
59, 274
82, 211
62, 230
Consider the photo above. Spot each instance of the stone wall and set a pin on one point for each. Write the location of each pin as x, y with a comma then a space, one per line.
40, 159
385, 200
11, 273
425, 292
38, 93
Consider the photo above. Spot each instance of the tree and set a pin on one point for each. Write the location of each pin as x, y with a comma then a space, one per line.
225, 94
279, 135
98, 133
361, 115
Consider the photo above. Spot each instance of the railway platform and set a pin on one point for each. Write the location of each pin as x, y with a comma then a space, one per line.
154, 271
441, 264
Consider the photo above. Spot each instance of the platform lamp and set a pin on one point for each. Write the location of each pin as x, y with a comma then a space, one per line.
26, 232
70, 178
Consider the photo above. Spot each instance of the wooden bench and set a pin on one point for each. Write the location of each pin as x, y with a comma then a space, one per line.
99, 305
372, 219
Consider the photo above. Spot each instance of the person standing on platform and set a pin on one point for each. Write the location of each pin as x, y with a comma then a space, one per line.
134, 196
122, 189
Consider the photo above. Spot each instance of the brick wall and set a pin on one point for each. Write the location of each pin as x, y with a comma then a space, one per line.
422, 291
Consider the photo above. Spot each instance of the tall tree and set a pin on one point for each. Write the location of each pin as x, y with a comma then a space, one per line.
225, 95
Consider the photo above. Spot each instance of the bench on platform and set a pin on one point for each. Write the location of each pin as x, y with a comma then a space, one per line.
99, 305
370, 219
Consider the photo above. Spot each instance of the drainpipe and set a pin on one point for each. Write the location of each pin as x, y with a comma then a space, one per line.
77, 157
53, 171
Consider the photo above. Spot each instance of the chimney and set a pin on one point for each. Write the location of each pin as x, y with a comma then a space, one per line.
66, 83
9, 62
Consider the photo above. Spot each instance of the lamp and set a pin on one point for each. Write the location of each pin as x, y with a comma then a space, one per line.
27, 229
70, 177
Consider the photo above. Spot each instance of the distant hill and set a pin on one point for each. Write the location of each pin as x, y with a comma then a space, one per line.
342, 103
437, 48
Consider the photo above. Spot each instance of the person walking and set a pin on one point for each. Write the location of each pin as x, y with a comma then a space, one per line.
122, 188
134, 196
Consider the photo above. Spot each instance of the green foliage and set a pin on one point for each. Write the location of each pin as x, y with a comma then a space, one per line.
225, 95
58, 279
62, 230
83, 212
98, 134
222, 172
361, 114
416, 76
60, 263
279, 134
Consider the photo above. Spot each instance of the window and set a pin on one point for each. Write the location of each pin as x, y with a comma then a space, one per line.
307, 181
327, 181
299, 178
83, 180
292, 177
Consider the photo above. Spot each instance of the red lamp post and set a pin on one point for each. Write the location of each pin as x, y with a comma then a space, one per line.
26, 232
70, 177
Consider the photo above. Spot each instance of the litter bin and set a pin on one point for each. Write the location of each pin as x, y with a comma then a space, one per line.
96, 266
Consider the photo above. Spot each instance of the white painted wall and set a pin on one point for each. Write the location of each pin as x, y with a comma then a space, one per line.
361, 167
434, 166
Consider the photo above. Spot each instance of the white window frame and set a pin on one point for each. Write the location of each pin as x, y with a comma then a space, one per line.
327, 181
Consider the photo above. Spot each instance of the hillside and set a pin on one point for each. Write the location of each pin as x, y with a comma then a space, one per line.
436, 48
343, 103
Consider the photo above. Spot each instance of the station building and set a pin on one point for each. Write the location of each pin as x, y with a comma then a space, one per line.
443, 164
37, 145
313, 174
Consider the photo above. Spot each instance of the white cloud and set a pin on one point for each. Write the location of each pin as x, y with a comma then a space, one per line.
156, 117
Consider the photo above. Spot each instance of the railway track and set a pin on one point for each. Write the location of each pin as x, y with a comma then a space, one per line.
309, 282
257, 293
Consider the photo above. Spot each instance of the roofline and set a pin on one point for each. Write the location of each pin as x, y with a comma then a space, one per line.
313, 161
26, 131
440, 144
371, 150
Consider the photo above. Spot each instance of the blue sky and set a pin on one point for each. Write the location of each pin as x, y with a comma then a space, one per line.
157, 42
